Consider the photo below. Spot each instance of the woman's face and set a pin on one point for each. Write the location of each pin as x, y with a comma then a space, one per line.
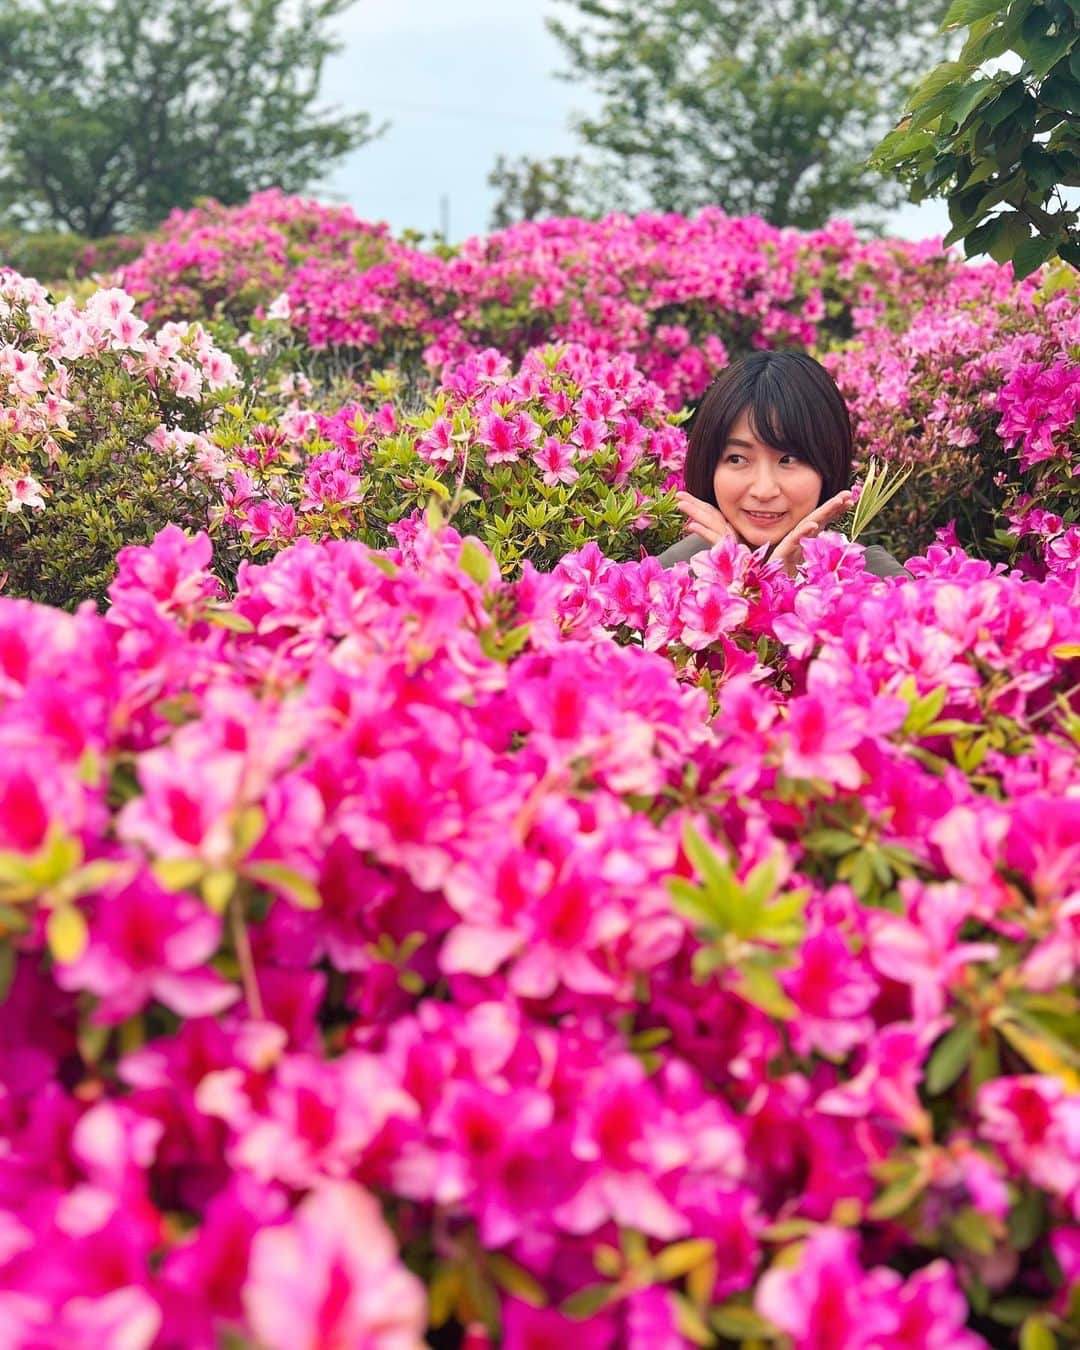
762, 492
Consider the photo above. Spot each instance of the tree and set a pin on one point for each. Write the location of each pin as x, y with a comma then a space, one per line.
1000, 145
112, 112
531, 188
766, 108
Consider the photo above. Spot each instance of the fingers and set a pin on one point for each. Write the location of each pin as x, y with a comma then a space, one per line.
703, 532
789, 549
791, 541
835, 506
700, 514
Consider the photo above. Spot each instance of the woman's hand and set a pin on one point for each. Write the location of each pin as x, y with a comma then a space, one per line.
702, 519
710, 524
789, 549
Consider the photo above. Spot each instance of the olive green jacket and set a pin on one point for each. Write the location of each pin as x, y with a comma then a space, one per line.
878, 562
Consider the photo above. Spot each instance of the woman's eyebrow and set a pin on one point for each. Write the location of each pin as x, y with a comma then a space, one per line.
737, 440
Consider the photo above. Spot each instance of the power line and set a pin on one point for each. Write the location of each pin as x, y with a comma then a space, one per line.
479, 114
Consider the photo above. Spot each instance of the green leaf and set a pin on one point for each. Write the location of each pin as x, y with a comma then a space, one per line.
1040, 48
833, 843
723, 891
899, 1195
249, 828
759, 986
1036, 1335
972, 1230
674, 1261
587, 1302
737, 1322
296, 888
972, 95
218, 887
1006, 104
689, 1322
963, 13
982, 238
950, 1057
940, 78
1015, 231
1013, 1310
1027, 1220
178, 874
475, 562
901, 143
228, 618
924, 710
66, 934
515, 1280
8, 962
1031, 254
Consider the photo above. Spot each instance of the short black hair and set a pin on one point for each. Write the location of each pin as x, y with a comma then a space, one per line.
792, 404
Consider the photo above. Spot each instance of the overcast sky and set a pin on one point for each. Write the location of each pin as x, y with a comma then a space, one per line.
462, 81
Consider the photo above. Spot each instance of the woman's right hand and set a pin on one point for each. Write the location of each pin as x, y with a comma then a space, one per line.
707, 522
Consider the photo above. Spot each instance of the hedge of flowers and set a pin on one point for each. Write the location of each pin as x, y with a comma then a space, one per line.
611, 957
677, 294
103, 434
981, 393
571, 447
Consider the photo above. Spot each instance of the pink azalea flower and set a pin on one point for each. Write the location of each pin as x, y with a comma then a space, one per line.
557, 462
24, 490
146, 943
331, 1276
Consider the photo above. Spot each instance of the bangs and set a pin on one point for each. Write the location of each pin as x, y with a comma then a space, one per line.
771, 423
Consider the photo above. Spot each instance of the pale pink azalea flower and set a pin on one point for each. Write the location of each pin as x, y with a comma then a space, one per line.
331, 1276
23, 491
186, 379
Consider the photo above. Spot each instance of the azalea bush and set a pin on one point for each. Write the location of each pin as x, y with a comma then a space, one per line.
570, 447
680, 295
612, 956
981, 394
104, 435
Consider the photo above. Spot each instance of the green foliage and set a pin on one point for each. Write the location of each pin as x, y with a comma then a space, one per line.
1000, 144
112, 457
59, 255
112, 112
51, 254
106, 490
764, 110
530, 189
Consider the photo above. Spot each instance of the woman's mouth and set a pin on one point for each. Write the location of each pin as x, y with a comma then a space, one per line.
764, 517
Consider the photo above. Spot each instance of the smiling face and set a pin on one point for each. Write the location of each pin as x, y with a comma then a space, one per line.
763, 492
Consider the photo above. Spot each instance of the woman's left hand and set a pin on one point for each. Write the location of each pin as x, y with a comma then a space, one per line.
789, 549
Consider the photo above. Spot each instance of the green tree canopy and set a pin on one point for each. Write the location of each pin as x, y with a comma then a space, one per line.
112, 112
1000, 144
766, 107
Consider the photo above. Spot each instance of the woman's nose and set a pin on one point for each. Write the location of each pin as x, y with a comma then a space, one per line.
764, 485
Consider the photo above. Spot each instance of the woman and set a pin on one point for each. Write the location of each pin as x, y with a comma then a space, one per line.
769, 461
